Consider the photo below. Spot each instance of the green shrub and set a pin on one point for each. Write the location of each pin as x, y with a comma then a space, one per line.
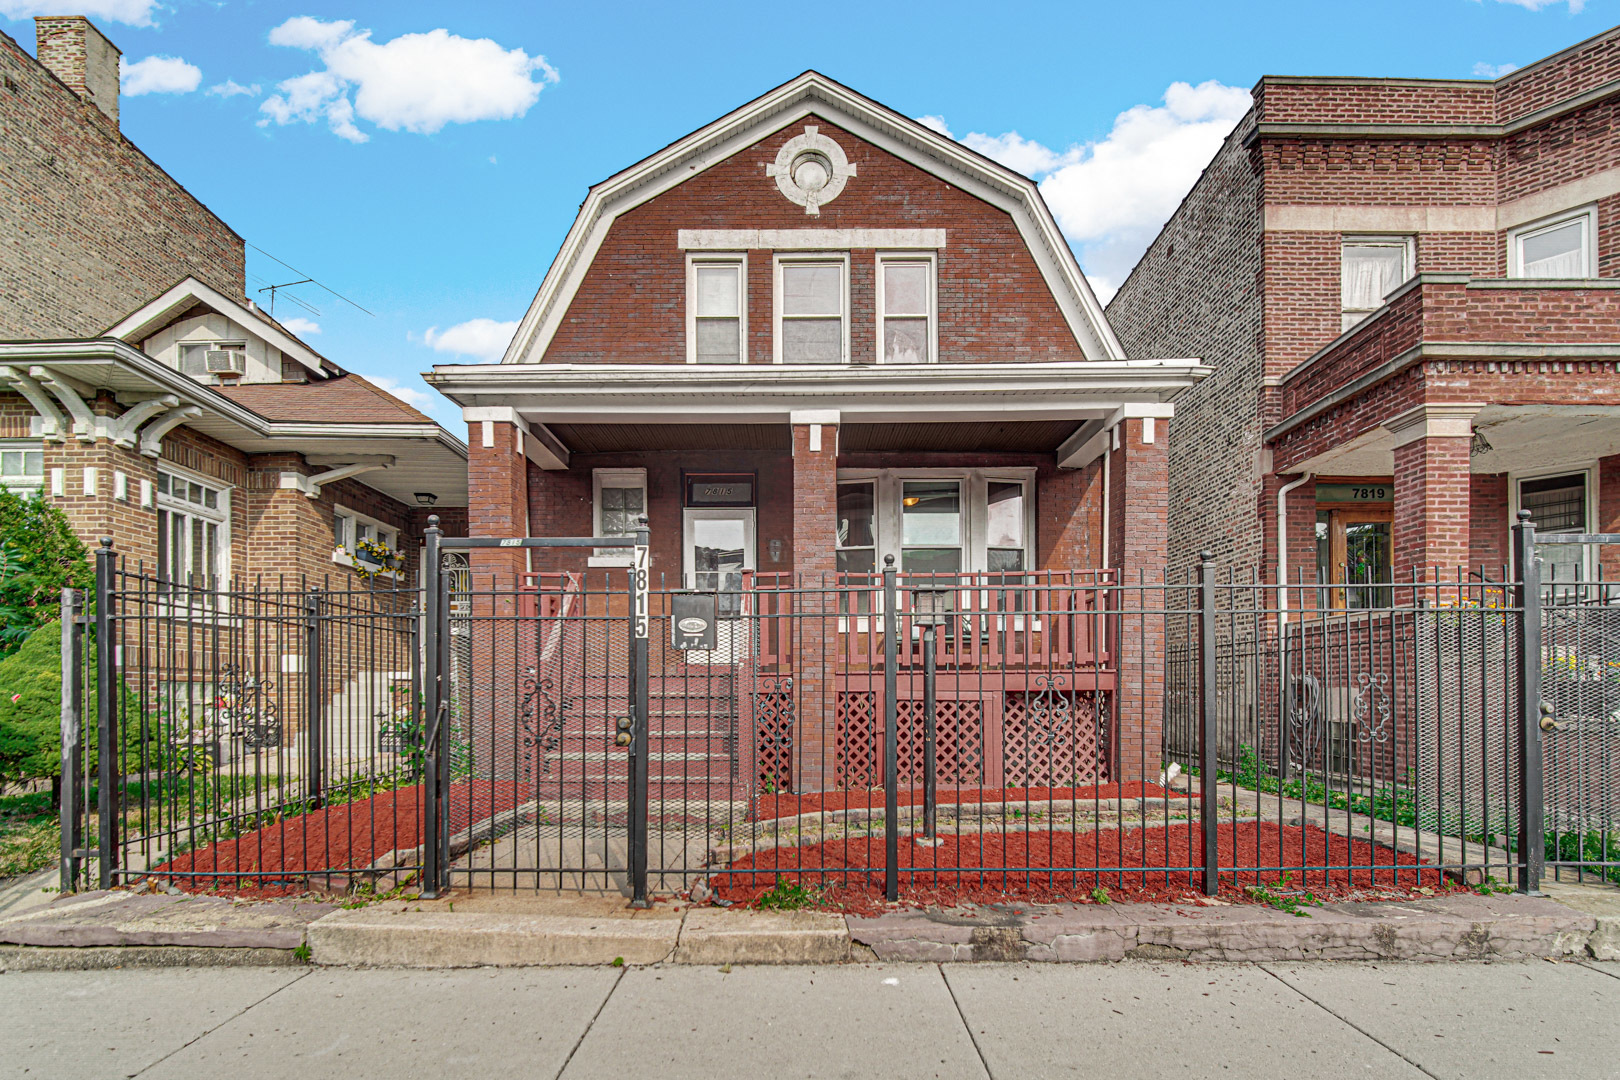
31, 708
39, 554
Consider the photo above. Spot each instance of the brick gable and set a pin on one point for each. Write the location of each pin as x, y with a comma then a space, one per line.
994, 305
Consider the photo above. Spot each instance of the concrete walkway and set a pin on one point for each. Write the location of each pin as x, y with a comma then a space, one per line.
1123, 1022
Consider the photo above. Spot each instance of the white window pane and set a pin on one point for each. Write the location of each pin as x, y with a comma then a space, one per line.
719, 341
905, 341
813, 341
11, 463
1555, 253
717, 290
812, 290
931, 513
34, 463
1006, 516
193, 359
905, 289
1370, 272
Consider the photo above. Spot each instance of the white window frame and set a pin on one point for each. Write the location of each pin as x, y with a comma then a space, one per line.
1587, 468
22, 483
340, 551
616, 478
738, 259
210, 378
220, 515
1516, 237
884, 258
975, 509
823, 258
1408, 245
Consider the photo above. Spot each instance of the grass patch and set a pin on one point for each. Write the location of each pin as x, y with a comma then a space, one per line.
788, 896
29, 838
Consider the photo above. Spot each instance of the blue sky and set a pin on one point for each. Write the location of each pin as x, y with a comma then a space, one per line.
426, 159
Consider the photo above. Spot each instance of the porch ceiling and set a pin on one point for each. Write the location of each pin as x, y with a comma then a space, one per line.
1034, 436
1522, 438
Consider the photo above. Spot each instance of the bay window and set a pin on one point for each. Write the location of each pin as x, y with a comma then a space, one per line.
944, 521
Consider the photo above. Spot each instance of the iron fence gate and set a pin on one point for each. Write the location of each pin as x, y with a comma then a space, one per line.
945, 734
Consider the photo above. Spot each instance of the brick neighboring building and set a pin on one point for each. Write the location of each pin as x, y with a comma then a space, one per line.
790, 338
1409, 291
143, 394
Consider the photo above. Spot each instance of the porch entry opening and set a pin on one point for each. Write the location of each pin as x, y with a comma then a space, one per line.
1354, 526
717, 537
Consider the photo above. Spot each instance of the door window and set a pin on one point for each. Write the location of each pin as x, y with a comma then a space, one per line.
719, 548
1353, 552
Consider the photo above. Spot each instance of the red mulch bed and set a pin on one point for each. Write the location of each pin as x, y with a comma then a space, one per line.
851, 870
347, 836
780, 806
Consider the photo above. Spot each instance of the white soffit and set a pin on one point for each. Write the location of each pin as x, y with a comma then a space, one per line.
783, 107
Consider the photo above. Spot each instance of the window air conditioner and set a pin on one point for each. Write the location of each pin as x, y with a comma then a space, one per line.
226, 362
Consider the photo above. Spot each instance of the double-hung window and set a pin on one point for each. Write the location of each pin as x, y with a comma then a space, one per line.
931, 532
716, 304
1370, 267
812, 307
22, 466
1560, 247
905, 322
1559, 504
193, 537
619, 504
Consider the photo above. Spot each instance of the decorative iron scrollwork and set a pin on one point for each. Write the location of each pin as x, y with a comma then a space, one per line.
1051, 709
540, 695
247, 708
1372, 708
1306, 723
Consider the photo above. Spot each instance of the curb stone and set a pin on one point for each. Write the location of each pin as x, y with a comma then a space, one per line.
718, 936
368, 937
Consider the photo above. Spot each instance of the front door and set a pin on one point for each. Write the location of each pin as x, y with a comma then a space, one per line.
719, 546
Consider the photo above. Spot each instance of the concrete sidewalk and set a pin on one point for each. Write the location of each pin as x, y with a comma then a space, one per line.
1125, 1022
519, 930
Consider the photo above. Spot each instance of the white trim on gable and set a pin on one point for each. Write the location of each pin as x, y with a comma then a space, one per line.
146, 320
787, 105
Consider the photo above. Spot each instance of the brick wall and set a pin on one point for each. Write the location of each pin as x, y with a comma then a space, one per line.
993, 303
90, 227
1197, 292
1489, 546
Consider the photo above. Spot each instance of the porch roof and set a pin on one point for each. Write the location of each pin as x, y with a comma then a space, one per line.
773, 394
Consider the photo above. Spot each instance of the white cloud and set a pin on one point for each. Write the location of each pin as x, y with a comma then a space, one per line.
484, 338
1111, 197
232, 88
301, 326
132, 12
410, 395
1575, 6
937, 123
158, 75
416, 82
1482, 70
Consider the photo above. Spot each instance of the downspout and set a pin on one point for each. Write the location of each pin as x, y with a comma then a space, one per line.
1282, 544
1108, 456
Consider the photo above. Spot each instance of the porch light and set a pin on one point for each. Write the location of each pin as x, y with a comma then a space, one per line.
912, 500
426, 498
1478, 445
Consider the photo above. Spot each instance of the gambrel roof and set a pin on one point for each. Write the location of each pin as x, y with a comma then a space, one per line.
788, 104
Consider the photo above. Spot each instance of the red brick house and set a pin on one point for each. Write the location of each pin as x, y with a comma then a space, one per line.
809, 336
1409, 291
145, 395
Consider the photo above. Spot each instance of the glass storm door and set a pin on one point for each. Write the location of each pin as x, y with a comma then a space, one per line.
719, 546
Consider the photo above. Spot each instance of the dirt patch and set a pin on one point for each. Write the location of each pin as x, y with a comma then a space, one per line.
1064, 867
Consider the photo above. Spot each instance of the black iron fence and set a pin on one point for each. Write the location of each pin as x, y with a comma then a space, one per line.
1031, 735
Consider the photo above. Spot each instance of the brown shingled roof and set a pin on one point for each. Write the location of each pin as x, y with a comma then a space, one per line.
345, 399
